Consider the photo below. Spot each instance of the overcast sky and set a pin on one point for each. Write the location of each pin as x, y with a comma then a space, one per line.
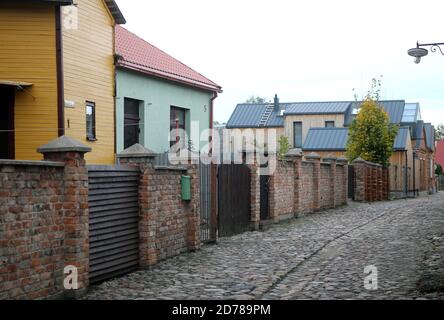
301, 50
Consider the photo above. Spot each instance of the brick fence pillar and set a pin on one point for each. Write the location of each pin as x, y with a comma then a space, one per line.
296, 156
343, 163
75, 207
143, 158
255, 192
332, 179
359, 167
316, 160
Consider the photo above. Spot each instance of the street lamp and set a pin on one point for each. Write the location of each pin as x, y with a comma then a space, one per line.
418, 52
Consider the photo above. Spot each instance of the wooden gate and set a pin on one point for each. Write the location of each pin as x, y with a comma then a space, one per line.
113, 221
233, 199
351, 183
264, 192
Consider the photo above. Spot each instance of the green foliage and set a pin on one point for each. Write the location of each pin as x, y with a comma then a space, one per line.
254, 99
284, 147
370, 135
439, 132
438, 169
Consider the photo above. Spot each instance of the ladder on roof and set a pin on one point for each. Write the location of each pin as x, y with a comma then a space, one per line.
266, 115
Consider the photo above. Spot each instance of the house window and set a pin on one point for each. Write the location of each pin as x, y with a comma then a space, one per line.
177, 122
329, 124
297, 132
91, 121
131, 122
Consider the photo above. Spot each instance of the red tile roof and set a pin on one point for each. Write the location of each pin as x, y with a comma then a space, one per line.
137, 54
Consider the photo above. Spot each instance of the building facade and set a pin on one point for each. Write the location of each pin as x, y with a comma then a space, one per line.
156, 96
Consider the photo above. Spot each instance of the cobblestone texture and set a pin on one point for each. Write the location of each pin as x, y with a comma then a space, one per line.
318, 256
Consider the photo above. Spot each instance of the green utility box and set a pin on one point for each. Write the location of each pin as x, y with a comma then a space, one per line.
185, 186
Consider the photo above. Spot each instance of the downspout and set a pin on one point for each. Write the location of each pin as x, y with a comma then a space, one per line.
60, 82
214, 211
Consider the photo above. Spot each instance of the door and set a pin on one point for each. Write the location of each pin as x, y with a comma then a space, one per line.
132, 122
233, 199
7, 144
264, 196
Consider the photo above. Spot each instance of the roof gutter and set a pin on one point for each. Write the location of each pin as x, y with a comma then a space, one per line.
60, 83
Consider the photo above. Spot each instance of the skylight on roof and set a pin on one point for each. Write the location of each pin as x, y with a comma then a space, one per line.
410, 112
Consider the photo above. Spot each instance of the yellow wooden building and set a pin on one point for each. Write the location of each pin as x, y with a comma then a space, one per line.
57, 75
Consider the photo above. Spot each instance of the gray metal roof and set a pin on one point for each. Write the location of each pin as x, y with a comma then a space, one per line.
394, 108
401, 139
430, 136
334, 139
249, 115
115, 11
329, 107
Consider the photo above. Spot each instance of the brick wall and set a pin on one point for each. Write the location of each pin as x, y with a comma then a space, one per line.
326, 194
306, 188
371, 182
168, 225
303, 186
31, 231
43, 223
281, 194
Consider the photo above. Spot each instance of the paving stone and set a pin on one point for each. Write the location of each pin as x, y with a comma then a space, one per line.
317, 256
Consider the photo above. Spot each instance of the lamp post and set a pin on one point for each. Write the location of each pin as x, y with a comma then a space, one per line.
419, 52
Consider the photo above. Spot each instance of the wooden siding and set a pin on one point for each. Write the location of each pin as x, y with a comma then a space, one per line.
310, 121
89, 76
28, 54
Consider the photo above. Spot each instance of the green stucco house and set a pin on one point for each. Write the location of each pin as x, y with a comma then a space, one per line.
156, 95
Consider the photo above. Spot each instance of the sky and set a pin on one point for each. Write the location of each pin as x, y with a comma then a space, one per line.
315, 50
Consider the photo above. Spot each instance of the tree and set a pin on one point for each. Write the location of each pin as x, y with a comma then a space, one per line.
439, 132
284, 147
371, 135
254, 99
438, 169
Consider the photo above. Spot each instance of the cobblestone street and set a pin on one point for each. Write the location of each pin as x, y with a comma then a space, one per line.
318, 256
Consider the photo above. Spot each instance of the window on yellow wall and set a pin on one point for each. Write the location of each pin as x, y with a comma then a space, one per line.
91, 121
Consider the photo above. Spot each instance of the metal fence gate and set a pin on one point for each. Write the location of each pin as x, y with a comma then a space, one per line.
233, 199
205, 203
113, 221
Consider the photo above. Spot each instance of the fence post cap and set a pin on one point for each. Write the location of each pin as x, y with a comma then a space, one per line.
330, 158
136, 151
358, 160
312, 156
296, 152
343, 160
64, 144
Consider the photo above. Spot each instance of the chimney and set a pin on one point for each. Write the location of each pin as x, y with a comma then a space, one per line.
276, 102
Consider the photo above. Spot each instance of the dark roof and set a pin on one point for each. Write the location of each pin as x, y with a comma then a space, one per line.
335, 139
329, 107
430, 136
394, 109
59, 2
249, 116
139, 55
401, 139
328, 139
115, 11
